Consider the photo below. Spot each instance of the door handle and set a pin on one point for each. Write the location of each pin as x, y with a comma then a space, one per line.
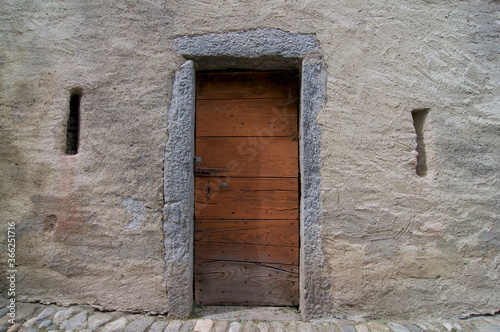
203, 171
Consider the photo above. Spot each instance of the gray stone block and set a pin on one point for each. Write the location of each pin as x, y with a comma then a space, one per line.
235, 327
98, 320
25, 311
79, 322
247, 44
220, 326
398, 327
46, 313
115, 326
179, 193
158, 326
203, 325
292, 327
140, 325
277, 327
174, 326
46, 323
263, 327
63, 315
187, 327
346, 328
27, 329
3, 312
414, 328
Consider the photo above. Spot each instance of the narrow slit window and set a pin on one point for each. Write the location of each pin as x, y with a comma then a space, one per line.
418, 122
73, 126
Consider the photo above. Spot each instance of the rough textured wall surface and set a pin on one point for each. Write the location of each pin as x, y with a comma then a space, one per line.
89, 227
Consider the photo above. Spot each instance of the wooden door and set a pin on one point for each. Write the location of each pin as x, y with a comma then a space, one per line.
246, 189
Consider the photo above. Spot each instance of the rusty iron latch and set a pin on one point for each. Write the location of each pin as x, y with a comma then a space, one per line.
200, 171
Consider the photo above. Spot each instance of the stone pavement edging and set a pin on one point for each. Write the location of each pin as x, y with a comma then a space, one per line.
34, 317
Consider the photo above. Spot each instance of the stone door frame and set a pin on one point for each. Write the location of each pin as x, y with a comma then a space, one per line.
269, 49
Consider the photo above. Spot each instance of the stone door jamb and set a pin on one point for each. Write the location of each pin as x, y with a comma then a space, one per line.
272, 49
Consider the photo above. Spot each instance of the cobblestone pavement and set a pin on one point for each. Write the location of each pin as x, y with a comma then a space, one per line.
32, 317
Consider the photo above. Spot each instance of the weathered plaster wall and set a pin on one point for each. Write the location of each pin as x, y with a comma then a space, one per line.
90, 226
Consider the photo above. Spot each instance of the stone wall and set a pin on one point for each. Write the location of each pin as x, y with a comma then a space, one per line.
90, 226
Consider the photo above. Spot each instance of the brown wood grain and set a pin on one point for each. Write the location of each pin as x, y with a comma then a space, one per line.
247, 253
249, 156
239, 283
246, 198
246, 117
247, 189
266, 232
236, 85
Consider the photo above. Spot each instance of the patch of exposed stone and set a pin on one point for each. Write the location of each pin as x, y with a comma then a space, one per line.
43, 318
